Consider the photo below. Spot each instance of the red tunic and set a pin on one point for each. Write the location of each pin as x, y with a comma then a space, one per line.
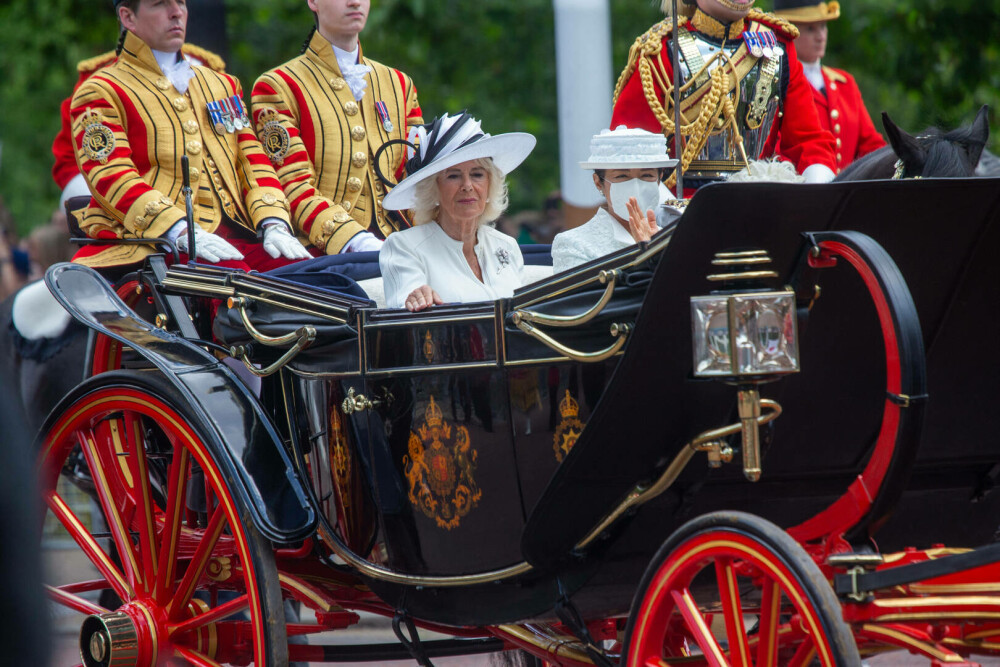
63, 151
805, 143
842, 111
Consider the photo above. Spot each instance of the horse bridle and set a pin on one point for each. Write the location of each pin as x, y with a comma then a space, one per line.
900, 173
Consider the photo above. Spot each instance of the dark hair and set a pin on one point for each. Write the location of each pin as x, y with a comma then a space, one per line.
131, 4
305, 44
662, 170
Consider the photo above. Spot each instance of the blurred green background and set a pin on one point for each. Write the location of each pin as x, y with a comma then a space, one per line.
926, 62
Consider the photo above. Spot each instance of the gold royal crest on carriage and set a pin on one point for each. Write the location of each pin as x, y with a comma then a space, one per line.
440, 468
569, 428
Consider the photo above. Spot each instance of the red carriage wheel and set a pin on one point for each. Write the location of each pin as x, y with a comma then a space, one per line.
730, 588
193, 581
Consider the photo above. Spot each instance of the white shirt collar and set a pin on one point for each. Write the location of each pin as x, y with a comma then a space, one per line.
814, 72
165, 59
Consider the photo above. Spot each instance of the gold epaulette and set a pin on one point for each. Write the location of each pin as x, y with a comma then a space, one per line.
834, 75
776, 23
211, 60
649, 43
96, 63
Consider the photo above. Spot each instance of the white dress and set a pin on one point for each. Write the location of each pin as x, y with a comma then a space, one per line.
597, 237
426, 255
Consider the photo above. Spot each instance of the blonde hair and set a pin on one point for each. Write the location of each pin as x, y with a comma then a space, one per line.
427, 196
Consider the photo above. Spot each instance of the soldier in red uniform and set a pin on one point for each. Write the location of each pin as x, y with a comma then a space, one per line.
838, 100
741, 87
133, 122
65, 172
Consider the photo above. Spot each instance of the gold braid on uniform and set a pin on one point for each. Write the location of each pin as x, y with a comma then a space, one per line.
775, 22
717, 111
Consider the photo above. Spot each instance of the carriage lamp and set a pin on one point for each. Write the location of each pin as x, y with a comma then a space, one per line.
745, 337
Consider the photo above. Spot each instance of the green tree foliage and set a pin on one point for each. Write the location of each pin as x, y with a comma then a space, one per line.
926, 62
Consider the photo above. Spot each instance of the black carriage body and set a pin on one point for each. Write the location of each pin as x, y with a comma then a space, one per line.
476, 446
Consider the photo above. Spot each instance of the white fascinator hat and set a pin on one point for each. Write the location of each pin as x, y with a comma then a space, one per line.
451, 140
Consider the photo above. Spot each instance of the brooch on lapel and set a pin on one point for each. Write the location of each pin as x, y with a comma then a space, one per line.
503, 258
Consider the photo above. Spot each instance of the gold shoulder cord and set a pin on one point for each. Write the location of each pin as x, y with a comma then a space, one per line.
644, 53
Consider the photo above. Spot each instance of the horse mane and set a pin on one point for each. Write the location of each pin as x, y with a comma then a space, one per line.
932, 153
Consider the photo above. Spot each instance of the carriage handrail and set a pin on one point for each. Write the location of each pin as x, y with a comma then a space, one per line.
303, 337
609, 278
368, 569
643, 493
619, 330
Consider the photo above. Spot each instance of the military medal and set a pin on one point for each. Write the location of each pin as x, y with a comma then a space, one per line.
240, 112
98, 138
768, 37
215, 113
383, 113
753, 44
234, 114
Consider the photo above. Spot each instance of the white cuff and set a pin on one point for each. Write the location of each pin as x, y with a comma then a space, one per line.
818, 173
363, 242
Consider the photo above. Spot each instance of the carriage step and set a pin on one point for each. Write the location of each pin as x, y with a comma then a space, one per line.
867, 561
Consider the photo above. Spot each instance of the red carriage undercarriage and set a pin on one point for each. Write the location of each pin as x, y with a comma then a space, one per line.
530, 473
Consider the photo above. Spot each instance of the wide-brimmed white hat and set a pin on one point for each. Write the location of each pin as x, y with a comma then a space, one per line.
627, 148
451, 140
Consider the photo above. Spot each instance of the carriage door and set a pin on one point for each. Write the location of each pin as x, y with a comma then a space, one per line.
441, 440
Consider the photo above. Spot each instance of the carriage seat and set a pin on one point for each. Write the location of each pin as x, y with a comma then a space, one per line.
364, 269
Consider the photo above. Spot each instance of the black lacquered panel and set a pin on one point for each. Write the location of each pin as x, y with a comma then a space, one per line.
446, 474
415, 344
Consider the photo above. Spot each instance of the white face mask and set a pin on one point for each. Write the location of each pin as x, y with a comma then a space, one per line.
646, 193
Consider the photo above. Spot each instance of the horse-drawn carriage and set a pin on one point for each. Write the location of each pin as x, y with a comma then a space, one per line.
683, 453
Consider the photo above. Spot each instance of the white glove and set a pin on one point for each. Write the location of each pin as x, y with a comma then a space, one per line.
363, 242
207, 246
818, 173
279, 243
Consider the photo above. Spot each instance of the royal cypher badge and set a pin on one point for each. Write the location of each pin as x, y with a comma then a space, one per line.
273, 136
98, 138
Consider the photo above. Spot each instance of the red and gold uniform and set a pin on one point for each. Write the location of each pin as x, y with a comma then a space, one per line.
131, 127
842, 111
322, 143
746, 104
63, 149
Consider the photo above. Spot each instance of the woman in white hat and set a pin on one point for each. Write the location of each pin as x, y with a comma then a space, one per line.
455, 185
628, 168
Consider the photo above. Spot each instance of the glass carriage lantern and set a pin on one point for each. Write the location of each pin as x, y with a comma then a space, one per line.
746, 335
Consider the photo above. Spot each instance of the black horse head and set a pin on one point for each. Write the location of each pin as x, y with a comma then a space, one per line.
931, 154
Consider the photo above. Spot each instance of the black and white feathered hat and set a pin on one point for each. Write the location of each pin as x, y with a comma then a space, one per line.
451, 140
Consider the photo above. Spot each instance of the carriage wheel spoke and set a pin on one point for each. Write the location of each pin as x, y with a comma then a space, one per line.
172, 520
767, 628
196, 658
215, 614
732, 612
119, 532
145, 519
199, 562
699, 630
82, 537
804, 655
74, 602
